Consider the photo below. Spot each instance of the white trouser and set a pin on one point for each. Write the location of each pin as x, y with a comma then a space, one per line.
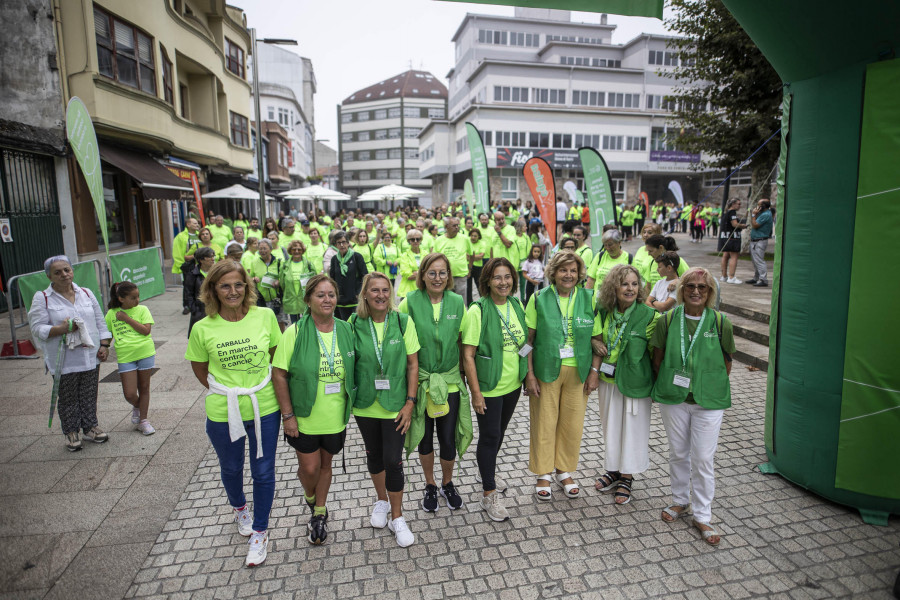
693, 434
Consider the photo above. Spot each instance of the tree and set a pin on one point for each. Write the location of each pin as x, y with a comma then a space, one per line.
728, 97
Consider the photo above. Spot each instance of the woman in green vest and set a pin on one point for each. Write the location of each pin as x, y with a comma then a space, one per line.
313, 376
443, 398
409, 263
495, 365
626, 380
264, 272
562, 372
694, 343
387, 378
294, 275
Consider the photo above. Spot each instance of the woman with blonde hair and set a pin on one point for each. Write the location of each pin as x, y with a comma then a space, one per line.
626, 379
387, 379
694, 344
562, 372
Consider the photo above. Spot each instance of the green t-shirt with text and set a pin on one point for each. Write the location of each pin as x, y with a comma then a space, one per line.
130, 345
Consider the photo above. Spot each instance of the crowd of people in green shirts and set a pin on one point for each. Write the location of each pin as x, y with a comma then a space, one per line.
435, 326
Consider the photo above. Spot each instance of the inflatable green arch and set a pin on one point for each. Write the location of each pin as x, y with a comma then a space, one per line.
833, 399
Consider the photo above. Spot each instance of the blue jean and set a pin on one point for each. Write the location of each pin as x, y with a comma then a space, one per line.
262, 470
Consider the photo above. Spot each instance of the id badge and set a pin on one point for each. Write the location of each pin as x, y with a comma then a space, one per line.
566, 352
608, 369
382, 384
682, 379
333, 388
525, 350
268, 280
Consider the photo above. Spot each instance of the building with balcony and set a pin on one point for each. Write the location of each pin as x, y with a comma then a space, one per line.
166, 87
538, 84
379, 130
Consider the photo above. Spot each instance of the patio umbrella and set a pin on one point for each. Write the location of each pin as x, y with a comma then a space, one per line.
314, 192
235, 192
390, 192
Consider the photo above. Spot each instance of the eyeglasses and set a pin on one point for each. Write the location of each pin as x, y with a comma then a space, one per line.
700, 287
437, 274
414, 239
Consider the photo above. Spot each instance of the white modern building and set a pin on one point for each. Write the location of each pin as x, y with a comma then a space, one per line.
378, 129
287, 88
538, 84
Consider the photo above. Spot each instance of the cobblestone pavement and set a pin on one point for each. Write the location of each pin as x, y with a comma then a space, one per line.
779, 540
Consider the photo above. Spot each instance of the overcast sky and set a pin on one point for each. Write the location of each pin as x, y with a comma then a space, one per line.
356, 43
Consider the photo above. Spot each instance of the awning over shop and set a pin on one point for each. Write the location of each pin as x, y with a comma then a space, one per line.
157, 182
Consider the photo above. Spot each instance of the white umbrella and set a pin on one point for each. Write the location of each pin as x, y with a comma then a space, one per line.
390, 192
313, 192
235, 192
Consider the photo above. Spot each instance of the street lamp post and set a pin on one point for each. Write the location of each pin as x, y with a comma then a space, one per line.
259, 156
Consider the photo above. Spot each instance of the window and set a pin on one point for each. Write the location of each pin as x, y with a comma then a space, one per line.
509, 179
363, 136
168, 89
635, 144
345, 117
283, 117
618, 188
428, 153
578, 61
394, 113
488, 36
183, 98
365, 174
585, 98
411, 153
271, 112
346, 137
394, 133
381, 134
670, 59
511, 138
462, 145
510, 94
655, 57
411, 132
539, 140
742, 177
124, 53
612, 142
436, 113
394, 153
574, 38
381, 113
234, 58
562, 140
413, 112
618, 100
517, 38
488, 138
548, 96
381, 155
659, 140
590, 141
363, 155
394, 174
411, 173
606, 62
362, 116
347, 157
381, 174
240, 130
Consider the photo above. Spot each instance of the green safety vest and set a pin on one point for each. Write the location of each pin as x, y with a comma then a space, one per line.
549, 333
393, 358
292, 302
438, 352
489, 354
303, 371
634, 374
710, 385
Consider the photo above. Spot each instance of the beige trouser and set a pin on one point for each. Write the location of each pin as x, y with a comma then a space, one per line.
557, 422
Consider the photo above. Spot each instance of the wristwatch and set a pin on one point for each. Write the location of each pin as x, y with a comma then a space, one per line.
287, 416
413, 399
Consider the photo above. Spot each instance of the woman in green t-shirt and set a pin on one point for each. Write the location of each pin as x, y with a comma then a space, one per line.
293, 276
656, 245
387, 380
130, 324
205, 236
314, 383
365, 249
612, 255
386, 257
315, 251
409, 263
230, 351
493, 337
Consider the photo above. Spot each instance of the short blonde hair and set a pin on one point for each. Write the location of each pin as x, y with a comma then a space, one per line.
708, 279
607, 297
426, 264
362, 307
210, 298
560, 259
295, 244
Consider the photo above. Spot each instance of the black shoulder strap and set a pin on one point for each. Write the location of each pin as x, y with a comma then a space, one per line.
630, 257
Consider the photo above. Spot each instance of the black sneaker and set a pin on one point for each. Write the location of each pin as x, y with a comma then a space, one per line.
185, 310
751, 281
318, 531
430, 503
454, 500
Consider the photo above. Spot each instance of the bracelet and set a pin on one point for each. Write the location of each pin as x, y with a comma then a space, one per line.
413, 399
287, 416
102, 345
595, 370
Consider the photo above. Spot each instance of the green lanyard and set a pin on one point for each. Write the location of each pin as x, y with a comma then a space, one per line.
379, 352
328, 357
507, 321
684, 356
565, 318
440, 314
609, 330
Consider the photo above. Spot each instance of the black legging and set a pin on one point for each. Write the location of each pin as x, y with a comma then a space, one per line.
473, 283
530, 289
344, 312
384, 449
696, 232
446, 431
491, 429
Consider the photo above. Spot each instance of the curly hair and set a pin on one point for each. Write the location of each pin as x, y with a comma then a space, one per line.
559, 260
614, 279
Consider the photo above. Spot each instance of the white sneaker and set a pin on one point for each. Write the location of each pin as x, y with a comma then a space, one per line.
734, 280
135, 415
493, 506
401, 531
499, 484
380, 513
145, 427
259, 548
244, 521
723, 278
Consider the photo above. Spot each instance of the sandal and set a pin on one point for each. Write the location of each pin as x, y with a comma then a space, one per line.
568, 487
707, 534
607, 481
544, 493
670, 515
624, 483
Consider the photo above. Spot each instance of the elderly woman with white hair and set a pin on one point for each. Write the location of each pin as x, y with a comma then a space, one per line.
611, 255
694, 344
68, 321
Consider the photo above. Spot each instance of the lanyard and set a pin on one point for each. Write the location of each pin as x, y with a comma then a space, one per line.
440, 313
684, 356
609, 330
565, 318
507, 322
328, 357
379, 352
